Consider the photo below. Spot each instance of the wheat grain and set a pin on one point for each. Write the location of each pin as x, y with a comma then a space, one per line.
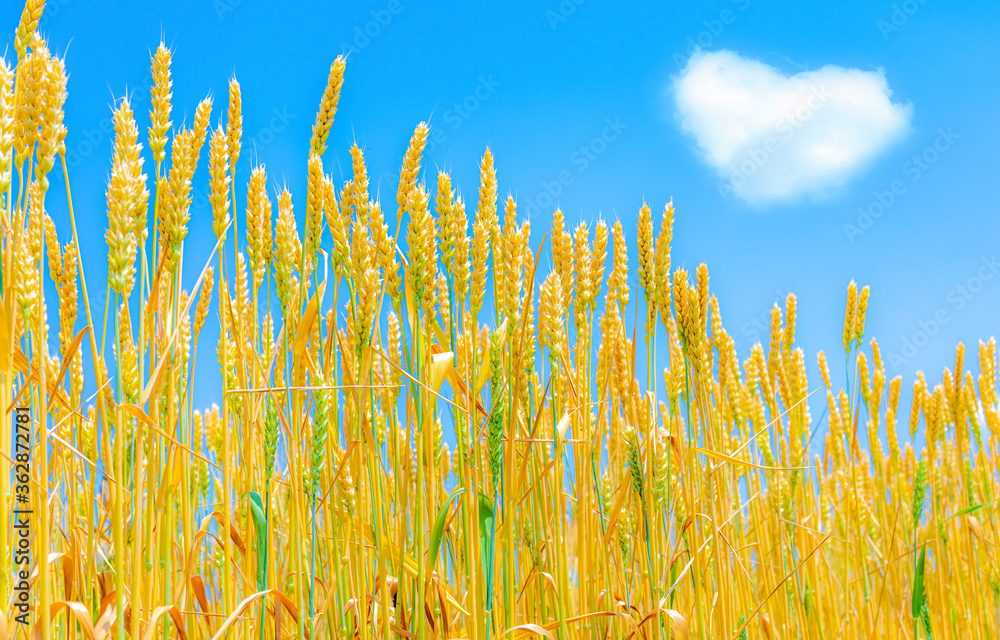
486, 211
234, 123
647, 259
218, 170
327, 107
202, 115
859, 320
124, 199
159, 114
287, 248
314, 204
850, 314
480, 255
411, 165
30, 16
258, 225
662, 264
29, 82
7, 121
51, 140
618, 282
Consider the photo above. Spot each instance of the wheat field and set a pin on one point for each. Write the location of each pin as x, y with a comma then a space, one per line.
591, 493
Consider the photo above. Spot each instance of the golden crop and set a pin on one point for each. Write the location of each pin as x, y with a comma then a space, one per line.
590, 494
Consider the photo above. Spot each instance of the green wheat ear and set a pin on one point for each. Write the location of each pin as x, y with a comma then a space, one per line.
494, 441
919, 492
270, 438
494, 431
632, 457
321, 428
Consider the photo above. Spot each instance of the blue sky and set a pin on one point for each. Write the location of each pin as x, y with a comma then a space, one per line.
577, 100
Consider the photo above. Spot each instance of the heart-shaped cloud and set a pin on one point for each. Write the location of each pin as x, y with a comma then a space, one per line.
774, 137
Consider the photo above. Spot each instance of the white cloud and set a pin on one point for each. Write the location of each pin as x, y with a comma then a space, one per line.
774, 137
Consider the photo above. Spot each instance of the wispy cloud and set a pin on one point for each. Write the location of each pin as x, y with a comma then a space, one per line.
775, 137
